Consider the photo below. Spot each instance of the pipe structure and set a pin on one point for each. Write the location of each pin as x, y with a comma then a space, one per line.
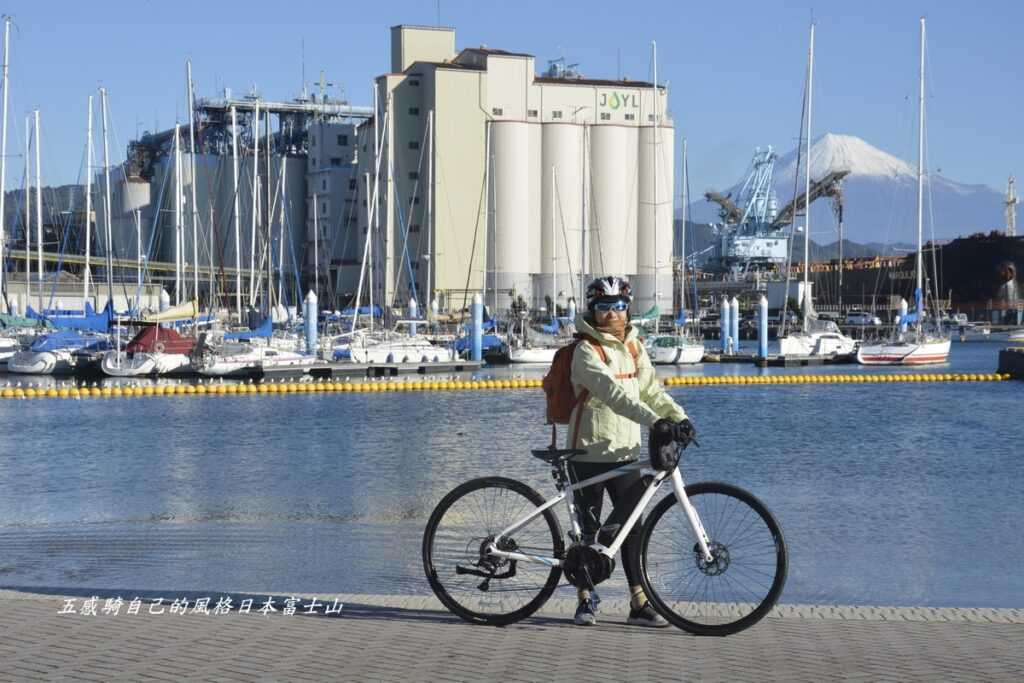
734, 322
310, 316
724, 310
413, 312
476, 330
762, 327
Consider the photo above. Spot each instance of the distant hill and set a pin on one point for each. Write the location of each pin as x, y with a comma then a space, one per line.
880, 196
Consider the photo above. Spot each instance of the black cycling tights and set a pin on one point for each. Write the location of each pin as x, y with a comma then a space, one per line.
624, 493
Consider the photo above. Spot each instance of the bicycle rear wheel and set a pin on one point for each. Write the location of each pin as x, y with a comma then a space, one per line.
478, 587
739, 587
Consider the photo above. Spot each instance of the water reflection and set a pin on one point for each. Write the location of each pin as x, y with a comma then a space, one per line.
888, 494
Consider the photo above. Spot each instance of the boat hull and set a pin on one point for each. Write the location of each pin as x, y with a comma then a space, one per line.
817, 345
142, 364
58, 362
539, 356
929, 352
689, 354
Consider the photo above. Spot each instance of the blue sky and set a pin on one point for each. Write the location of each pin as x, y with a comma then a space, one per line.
735, 70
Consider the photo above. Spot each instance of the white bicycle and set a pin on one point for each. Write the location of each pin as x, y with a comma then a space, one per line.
712, 557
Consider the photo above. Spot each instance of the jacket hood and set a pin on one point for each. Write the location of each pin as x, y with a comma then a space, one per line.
585, 325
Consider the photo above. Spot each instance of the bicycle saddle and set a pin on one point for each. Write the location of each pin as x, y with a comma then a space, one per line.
557, 455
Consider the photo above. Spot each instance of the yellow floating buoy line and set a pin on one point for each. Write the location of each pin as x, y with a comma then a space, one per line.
837, 379
448, 384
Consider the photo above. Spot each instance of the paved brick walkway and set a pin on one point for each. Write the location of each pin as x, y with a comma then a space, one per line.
408, 639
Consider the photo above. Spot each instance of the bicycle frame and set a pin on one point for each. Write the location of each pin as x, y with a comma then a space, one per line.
566, 494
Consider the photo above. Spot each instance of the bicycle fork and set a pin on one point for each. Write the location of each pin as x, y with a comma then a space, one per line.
691, 515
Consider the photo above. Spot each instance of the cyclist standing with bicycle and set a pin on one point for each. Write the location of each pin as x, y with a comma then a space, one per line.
621, 394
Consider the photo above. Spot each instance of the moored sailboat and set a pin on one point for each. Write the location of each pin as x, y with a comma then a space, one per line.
917, 346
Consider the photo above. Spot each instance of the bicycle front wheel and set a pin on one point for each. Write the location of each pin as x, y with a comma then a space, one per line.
475, 585
744, 580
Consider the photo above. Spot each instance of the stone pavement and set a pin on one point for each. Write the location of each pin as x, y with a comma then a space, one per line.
382, 638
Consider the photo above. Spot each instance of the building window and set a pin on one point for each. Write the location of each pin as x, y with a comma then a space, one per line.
364, 203
531, 113
364, 229
650, 117
416, 265
414, 144
352, 183
414, 227
323, 184
557, 114
414, 175
414, 111
630, 117
312, 139
323, 209
336, 162
414, 82
314, 162
414, 201
343, 140
605, 116
497, 111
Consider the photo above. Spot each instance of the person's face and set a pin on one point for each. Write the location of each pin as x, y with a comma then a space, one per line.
610, 312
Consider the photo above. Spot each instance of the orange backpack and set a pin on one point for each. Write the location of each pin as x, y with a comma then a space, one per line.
561, 398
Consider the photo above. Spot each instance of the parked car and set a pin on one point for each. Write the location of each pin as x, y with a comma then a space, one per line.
862, 318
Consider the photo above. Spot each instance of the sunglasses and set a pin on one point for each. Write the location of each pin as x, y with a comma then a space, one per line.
605, 306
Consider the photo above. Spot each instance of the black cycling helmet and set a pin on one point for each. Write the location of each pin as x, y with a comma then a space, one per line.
608, 288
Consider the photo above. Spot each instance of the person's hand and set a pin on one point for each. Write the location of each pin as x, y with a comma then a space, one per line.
684, 432
663, 431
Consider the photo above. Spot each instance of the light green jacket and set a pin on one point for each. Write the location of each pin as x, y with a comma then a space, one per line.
612, 416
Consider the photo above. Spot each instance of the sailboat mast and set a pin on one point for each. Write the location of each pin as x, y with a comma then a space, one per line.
807, 189
255, 202
3, 163
554, 253
86, 274
656, 133
39, 216
430, 214
106, 200
389, 221
27, 227
682, 237
177, 215
238, 225
919, 294
316, 248
193, 214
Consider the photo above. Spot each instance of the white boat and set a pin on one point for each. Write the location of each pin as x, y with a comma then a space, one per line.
927, 351
240, 360
153, 351
532, 354
59, 353
367, 349
816, 338
8, 347
823, 339
1016, 336
674, 349
917, 346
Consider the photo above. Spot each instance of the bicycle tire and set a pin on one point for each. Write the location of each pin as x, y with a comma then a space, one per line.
705, 608
456, 591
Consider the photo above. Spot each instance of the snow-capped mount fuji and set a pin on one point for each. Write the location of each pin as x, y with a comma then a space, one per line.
880, 196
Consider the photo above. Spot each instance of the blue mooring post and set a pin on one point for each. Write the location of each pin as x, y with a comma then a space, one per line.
413, 312
762, 327
477, 329
734, 323
309, 317
724, 320
903, 316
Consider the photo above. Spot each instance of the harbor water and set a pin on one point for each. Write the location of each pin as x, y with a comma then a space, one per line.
890, 494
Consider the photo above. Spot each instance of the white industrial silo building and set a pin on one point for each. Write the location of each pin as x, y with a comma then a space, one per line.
498, 181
